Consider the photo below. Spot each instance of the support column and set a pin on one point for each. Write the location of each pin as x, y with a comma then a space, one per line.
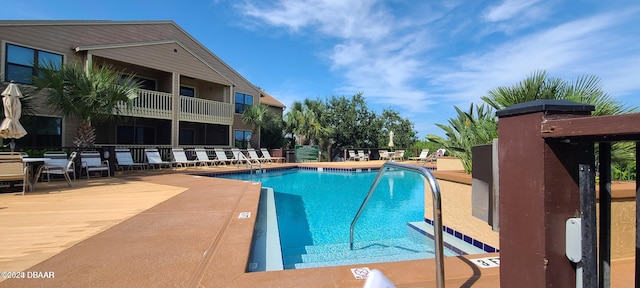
539, 191
175, 119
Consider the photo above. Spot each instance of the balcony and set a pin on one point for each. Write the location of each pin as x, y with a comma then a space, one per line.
159, 105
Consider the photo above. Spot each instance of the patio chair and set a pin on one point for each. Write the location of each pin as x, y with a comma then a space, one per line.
91, 161
238, 157
363, 156
203, 157
221, 156
352, 156
59, 164
12, 169
398, 155
154, 159
125, 160
253, 155
267, 156
424, 154
433, 157
180, 158
384, 155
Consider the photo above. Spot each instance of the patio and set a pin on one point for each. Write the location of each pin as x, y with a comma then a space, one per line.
142, 229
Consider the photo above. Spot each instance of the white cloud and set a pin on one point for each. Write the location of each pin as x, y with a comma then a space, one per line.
356, 19
563, 51
434, 59
510, 9
375, 52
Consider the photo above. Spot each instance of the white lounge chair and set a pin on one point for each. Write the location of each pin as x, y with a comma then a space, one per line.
203, 157
363, 156
353, 156
58, 164
154, 159
221, 156
238, 157
384, 155
398, 155
253, 155
424, 154
267, 156
180, 158
91, 161
433, 157
125, 160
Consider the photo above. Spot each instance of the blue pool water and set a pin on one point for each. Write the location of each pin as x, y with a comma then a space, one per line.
315, 209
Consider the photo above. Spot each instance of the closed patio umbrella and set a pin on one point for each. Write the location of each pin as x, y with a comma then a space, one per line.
390, 139
11, 127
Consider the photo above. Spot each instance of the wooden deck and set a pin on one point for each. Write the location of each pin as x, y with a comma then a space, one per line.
173, 228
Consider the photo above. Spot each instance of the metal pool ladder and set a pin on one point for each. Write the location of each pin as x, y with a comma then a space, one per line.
437, 211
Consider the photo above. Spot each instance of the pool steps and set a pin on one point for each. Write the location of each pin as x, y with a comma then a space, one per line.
412, 247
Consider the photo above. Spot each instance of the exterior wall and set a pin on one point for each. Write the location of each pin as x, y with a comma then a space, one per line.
276, 110
456, 212
170, 51
164, 57
457, 205
623, 227
449, 164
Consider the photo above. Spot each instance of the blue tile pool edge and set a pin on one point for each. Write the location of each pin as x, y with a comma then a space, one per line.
459, 235
319, 169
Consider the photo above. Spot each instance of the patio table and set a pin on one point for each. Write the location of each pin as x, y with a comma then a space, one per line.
34, 166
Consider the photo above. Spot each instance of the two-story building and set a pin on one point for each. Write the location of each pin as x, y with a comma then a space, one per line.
189, 96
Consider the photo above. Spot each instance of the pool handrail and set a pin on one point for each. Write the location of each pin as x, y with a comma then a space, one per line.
437, 211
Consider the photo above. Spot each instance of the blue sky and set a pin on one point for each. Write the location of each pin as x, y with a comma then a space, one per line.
417, 57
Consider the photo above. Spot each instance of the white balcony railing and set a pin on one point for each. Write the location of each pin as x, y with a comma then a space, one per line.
159, 105
150, 104
205, 111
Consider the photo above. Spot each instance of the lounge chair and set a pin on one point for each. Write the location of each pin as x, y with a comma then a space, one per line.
253, 156
154, 159
203, 157
125, 160
221, 156
433, 157
13, 169
384, 155
267, 156
363, 156
353, 156
398, 155
180, 158
91, 161
424, 154
59, 164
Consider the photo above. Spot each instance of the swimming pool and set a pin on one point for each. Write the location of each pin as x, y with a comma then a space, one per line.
314, 211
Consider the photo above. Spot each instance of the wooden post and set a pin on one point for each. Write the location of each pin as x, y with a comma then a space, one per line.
538, 192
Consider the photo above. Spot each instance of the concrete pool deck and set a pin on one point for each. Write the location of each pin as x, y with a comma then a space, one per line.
170, 228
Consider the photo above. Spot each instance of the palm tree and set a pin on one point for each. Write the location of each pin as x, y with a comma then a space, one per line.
476, 127
585, 89
92, 94
258, 116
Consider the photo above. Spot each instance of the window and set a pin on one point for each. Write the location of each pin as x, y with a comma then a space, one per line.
22, 63
187, 137
135, 135
145, 83
242, 139
43, 131
242, 102
187, 91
